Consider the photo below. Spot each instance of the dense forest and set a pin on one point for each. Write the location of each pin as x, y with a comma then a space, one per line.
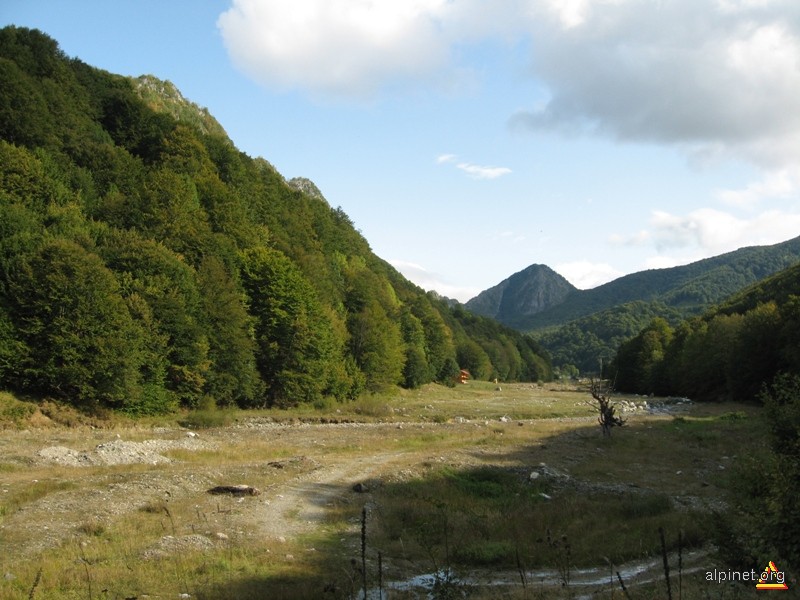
729, 353
585, 345
147, 264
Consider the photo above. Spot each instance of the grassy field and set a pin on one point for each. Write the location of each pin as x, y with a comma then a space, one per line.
471, 491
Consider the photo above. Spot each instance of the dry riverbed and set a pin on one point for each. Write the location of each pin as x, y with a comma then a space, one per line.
126, 512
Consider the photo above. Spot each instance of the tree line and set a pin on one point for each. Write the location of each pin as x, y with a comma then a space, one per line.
147, 264
729, 353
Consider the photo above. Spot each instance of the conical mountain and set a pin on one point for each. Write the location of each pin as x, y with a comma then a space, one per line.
526, 293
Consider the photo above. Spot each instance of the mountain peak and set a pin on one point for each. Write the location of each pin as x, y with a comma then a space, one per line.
162, 96
528, 292
306, 186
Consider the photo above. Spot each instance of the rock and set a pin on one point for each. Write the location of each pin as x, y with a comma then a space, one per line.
235, 490
534, 476
552, 473
360, 488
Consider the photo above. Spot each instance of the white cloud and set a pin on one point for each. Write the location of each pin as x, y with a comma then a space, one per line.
585, 275
779, 184
705, 75
708, 231
710, 76
433, 281
679, 239
483, 172
637, 239
474, 171
666, 262
344, 48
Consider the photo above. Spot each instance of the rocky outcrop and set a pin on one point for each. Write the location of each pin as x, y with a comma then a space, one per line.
306, 186
528, 292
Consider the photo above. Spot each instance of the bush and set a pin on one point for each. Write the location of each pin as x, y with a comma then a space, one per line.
766, 488
14, 411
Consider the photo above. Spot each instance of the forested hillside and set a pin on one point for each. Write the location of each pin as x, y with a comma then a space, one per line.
730, 352
584, 345
146, 263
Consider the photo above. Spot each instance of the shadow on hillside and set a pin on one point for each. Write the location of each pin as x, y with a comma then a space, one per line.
560, 510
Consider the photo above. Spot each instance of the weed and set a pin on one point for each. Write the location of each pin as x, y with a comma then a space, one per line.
14, 411
92, 528
633, 506
371, 406
208, 419
562, 557
36, 581
153, 507
486, 553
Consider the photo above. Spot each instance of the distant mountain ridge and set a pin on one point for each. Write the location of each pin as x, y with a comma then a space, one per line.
536, 298
582, 329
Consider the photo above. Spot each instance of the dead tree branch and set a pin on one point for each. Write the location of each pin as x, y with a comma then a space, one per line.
605, 408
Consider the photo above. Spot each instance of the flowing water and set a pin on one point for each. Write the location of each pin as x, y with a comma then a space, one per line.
583, 582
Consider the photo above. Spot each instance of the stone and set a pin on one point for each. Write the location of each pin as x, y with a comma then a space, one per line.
235, 490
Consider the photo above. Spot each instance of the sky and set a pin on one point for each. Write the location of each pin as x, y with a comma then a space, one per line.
469, 139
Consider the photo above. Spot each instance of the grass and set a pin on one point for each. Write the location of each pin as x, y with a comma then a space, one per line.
13, 412
16, 497
462, 497
477, 400
494, 516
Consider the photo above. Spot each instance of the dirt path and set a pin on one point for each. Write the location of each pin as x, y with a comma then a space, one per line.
300, 506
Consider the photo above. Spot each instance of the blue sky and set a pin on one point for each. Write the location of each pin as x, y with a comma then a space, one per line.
468, 139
